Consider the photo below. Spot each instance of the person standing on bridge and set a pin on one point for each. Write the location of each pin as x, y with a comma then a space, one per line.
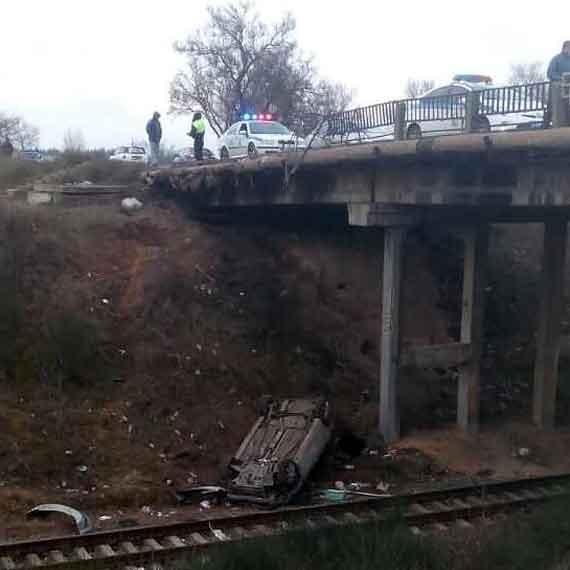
560, 63
198, 132
154, 132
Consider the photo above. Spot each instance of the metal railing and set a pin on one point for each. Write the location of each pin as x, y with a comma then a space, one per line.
458, 108
514, 99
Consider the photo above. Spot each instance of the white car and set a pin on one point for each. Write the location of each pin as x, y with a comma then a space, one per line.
423, 115
130, 154
441, 102
254, 137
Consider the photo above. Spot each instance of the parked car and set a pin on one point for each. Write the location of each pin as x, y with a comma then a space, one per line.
440, 101
251, 138
276, 457
186, 156
35, 155
130, 154
485, 120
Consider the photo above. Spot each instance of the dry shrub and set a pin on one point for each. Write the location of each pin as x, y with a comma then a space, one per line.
15, 172
44, 331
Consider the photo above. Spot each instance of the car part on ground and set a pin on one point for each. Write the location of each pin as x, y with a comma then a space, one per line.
199, 493
276, 457
82, 521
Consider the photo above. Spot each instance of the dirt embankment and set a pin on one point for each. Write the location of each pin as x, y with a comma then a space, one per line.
133, 349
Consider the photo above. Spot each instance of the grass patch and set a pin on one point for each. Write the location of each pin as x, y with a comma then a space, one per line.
15, 172
390, 547
540, 540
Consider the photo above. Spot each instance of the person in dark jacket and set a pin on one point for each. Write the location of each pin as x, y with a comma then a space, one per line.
7, 148
154, 132
197, 132
560, 63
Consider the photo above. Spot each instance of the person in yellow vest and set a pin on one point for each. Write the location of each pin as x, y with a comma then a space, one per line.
197, 132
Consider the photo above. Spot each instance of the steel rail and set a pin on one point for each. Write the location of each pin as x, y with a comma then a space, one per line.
161, 543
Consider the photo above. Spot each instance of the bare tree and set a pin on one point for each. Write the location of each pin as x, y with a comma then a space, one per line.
237, 63
526, 72
417, 87
73, 140
21, 133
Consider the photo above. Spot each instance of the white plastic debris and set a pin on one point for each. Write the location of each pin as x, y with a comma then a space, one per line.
82, 468
219, 534
524, 452
206, 505
383, 487
339, 485
104, 518
131, 205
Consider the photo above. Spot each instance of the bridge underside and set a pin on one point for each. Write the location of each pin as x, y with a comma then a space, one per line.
465, 182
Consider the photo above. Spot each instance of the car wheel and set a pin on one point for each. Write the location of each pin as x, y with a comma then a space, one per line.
224, 154
414, 132
252, 151
481, 124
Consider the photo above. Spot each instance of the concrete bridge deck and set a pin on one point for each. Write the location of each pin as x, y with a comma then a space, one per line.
463, 181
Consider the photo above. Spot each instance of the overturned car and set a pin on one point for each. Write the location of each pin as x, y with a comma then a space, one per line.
276, 457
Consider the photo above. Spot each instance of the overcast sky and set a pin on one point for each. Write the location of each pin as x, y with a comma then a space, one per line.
103, 66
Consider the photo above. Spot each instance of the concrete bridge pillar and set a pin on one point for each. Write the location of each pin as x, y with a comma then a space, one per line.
389, 419
548, 338
474, 283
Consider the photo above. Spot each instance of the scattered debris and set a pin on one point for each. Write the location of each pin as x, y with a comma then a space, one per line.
358, 486
523, 452
82, 468
205, 505
82, 521
219, 534
131, 205
384, 487
104, 518
198, 494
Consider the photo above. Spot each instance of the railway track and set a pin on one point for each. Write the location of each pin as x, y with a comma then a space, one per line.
438, 510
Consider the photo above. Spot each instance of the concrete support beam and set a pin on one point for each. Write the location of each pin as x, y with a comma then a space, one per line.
474, 279
437, 355
548, 338
389, 420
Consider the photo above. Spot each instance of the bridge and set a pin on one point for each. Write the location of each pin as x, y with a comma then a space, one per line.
464, 182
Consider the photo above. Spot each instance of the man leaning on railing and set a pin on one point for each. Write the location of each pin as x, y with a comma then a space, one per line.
558, 73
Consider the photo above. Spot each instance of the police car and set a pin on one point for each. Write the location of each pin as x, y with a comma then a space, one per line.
256, 135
